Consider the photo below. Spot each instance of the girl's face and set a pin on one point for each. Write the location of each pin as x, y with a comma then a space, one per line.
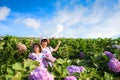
44, 43
36, 48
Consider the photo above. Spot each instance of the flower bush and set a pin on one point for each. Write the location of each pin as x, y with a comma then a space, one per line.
114, 65
75, 69
109, 54
21, 48
97, 66
40, 73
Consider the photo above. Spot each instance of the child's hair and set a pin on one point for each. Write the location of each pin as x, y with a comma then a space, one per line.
45, 40
34, 46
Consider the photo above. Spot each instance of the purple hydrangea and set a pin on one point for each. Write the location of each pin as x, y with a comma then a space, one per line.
114, 65
70, 78
116, 46
109, 54
81, 54
40, 73
73, 69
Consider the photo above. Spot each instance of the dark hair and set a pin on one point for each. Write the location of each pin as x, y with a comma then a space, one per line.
44, 40
34, 46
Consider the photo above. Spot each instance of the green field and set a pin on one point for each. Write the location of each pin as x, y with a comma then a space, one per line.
17, 66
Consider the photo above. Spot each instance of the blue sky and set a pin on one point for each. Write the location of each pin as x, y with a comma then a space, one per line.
60, 18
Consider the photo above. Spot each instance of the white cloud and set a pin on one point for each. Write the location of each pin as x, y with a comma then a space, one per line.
97, 21
101, 19
4, 12
32, 23
102, 31
60, 28
57, 32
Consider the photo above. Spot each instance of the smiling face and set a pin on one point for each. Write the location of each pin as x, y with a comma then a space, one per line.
44, 43
36, 48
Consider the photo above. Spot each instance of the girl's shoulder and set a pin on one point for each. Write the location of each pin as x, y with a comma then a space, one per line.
32, 53
49, 47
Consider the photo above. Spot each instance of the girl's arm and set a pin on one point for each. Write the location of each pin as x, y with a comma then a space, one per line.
56, 48
49, 59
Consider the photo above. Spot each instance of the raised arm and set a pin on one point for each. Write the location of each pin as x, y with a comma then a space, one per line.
56, 48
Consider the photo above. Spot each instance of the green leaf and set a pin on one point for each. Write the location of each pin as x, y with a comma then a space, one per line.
32, 67
64, 72
60, 61
58, 69
10, 70
8, 77
17, 76
17, 66
108, 76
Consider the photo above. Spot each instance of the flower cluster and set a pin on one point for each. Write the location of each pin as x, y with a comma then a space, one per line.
109, 54
114, 65
21, 48
81, 54
70, 78
116, 46
1, 38
73, 69
40, 73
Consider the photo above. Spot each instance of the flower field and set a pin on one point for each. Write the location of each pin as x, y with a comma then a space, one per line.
77, 59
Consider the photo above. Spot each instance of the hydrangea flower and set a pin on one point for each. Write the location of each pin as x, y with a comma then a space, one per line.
1, 38
114, 65
116, 46
109, 54
40, 73
21, 47
70, 78
81, 54
73, 69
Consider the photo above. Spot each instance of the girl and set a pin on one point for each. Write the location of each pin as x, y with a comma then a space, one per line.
37, 55
47, 51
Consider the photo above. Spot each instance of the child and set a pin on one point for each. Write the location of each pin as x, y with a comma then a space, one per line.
37, 55
47, 51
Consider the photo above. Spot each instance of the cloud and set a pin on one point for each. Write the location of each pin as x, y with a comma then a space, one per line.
73, 19
4, 12
89, 22
57, 32
31, 22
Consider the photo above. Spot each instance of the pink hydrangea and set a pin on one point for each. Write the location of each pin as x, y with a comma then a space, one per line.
40, 73
114, 65
21, 47
70, 78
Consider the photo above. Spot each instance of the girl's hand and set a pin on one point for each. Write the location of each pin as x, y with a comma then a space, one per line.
59, 42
